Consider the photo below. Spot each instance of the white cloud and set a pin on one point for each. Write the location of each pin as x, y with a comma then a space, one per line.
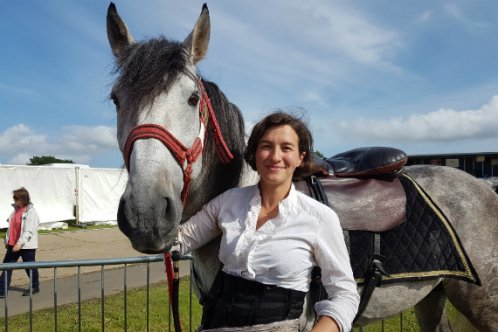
19, 159
426, 16
309, 96
81, 144
19, 137
248, 127
83, 137
19, 91
440, 125
457, 14
314, 40
353, 34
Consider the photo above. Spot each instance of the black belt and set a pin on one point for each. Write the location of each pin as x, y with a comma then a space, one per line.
240, 302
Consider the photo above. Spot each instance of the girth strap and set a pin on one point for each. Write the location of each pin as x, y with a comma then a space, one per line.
373, 278
316, 190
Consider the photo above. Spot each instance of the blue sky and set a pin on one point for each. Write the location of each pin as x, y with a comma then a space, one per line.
421, 76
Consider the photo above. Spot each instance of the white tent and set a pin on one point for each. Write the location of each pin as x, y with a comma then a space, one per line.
64, 192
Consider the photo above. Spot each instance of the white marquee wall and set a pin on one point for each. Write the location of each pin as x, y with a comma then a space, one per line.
56, 190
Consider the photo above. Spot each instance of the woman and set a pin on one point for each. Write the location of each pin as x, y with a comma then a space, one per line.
272, 237
21, 239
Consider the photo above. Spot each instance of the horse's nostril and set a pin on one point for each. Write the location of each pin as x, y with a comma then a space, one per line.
167, 206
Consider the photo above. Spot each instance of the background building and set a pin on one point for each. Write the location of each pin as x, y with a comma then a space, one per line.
481, 164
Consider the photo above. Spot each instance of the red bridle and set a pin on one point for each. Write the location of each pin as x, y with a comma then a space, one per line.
185, 156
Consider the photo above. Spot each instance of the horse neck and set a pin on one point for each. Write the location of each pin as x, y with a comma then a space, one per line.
217, 177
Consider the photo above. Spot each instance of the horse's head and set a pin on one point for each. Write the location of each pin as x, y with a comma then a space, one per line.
158, 99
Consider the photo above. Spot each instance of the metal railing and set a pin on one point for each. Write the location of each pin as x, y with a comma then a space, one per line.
55, 265
124, 262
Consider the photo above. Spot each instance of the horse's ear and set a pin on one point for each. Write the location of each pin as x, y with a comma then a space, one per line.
197, 42
117, 31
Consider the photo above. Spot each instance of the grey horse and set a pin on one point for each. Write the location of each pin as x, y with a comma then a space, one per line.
157, 86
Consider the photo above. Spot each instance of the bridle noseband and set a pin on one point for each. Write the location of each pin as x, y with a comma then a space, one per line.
185, 156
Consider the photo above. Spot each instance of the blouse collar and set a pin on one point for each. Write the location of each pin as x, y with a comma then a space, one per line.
287, 206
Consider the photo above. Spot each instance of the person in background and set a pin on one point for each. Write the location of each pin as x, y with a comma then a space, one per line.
272, 236
21, 239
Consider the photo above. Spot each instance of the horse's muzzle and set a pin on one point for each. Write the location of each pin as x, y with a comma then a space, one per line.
149, 233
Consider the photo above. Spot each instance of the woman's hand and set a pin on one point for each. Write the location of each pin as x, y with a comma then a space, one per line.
16, 247
325, 324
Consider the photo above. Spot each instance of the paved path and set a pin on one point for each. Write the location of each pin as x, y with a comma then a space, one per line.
83, 244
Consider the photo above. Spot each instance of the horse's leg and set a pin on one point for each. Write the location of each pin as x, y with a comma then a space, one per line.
478, 304
430, 311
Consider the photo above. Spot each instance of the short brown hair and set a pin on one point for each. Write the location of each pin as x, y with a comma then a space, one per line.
23, 195
276, 119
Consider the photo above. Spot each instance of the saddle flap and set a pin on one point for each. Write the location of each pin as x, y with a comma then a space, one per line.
368, 162
363, 204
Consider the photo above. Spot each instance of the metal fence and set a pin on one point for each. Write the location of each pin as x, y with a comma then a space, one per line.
144, 261
125, 263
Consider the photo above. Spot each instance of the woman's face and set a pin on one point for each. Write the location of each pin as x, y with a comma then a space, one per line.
17, 202
277, 155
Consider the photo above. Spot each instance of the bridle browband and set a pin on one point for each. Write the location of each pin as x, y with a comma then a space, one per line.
185, 156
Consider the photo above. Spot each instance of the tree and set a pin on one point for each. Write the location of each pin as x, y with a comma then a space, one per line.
44, 160
319, 154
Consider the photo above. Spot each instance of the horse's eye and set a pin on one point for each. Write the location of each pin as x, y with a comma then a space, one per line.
115, 100
193, 99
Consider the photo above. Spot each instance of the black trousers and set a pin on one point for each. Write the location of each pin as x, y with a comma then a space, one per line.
27, 255
236, 302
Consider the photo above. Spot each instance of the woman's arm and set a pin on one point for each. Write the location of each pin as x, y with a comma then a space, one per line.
201, 227
29, 227
337, 276
326, 324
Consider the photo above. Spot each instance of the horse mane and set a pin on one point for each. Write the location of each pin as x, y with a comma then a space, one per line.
149, 68
231, 124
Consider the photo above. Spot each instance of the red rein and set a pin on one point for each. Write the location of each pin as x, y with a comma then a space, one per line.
172, 272
182, 153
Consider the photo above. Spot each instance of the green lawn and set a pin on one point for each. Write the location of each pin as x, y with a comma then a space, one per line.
67, 316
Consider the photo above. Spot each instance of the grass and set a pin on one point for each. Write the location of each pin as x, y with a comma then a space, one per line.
67, 316
407, 323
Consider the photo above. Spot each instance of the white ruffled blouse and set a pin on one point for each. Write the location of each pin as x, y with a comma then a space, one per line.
284, 250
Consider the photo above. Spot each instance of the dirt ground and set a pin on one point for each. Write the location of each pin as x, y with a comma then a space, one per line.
71, 245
